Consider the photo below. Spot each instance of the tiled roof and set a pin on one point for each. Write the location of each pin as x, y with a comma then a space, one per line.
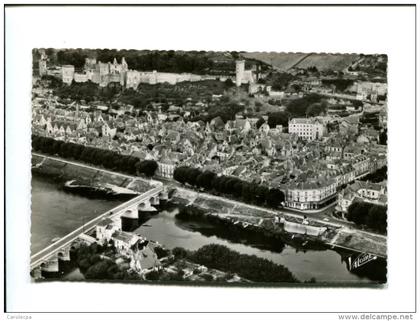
105, 222
123, 236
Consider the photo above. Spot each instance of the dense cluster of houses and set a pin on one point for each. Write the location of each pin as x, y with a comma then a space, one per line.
310, 160
308, 167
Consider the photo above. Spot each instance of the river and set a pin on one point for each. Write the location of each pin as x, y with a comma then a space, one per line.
56, 213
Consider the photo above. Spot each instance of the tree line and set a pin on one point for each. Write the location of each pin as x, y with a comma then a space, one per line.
377, 176
368, 214
341, 84
108, 159
198, 62
259, 236
249, 192
309, 105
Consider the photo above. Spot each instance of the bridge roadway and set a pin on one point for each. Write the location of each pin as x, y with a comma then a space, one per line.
47, 252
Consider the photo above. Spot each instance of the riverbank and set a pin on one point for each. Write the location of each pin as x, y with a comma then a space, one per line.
63, 171
273, 236
335, 236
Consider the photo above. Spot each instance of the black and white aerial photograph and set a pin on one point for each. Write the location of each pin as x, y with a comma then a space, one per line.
210, 161
209, 168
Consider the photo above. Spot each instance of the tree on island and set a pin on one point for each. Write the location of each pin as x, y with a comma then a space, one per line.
250, 267
179, 252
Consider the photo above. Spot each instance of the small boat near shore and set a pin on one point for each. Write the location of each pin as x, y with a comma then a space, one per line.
98, 190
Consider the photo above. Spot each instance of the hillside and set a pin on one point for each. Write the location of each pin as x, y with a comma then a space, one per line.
280, 61
328, 61
285, 61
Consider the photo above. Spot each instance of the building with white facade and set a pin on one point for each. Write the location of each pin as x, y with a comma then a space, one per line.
243, 76
363, 192
68, 74
133, 79
240, 70
361, 165
123, 241
105, 229
311, 195
366, 90
307, 128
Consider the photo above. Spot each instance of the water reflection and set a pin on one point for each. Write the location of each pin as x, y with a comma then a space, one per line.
323, 265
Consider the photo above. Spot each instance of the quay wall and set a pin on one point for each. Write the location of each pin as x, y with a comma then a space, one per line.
292, 227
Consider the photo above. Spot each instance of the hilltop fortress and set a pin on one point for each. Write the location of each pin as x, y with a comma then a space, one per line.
104, 74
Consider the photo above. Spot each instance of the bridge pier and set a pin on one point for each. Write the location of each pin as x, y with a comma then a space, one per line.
145, 211
139, 212
37, 273
64, 254
50, 268
154, 201
129, 220
164, 196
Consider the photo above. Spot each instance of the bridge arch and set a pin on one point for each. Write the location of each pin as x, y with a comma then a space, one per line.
130, 213
141, 206
154, 200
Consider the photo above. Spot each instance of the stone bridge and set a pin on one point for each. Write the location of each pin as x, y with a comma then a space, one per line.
47, 259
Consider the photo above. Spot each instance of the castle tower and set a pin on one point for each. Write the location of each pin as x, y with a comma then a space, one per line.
123, 72
240, 70
42, 64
